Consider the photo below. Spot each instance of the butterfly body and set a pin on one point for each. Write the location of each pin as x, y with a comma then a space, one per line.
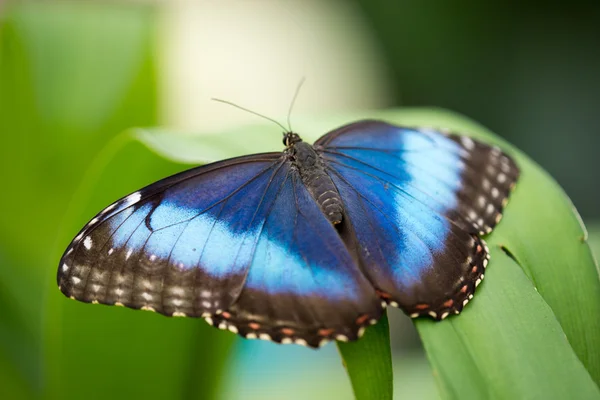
306, 245
312, 170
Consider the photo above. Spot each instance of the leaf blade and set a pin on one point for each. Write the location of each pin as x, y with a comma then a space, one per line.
368, 362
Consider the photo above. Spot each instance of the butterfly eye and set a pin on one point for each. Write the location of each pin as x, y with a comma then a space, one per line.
291, 138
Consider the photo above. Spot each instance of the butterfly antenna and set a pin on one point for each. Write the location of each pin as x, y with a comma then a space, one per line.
250, 111
293, 102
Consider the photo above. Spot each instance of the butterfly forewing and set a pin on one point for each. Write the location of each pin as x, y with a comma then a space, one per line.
240, 243
157, 248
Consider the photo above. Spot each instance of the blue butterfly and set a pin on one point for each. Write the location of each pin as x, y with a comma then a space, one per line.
305, 245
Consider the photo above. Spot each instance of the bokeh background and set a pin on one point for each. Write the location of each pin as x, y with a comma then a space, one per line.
74, 75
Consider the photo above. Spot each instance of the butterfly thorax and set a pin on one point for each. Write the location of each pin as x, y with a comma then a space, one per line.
311, 168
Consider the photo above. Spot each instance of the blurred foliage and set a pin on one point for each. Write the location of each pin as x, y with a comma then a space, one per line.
73, 76
529, 73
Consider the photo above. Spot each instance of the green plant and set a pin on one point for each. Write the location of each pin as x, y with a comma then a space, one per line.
532, 330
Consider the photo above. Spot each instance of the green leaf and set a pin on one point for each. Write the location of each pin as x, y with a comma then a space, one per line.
72, 76
532, 330
59, 101
369, 362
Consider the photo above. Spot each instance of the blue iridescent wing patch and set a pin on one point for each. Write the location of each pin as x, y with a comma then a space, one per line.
240, 243
418, 201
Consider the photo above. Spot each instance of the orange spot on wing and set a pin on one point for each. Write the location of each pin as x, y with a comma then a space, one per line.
225, 314
325, 332
421, 306
474, 269
288, 331
361, 320
464, 289
254, 325
448, 303
383, 295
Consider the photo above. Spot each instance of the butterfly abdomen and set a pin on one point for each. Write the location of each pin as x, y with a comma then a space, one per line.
319, 184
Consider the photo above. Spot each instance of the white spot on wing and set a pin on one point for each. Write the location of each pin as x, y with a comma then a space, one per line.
301, 342
232, 328
147, 284
467, 142
87, 242
133, 198
65, 268
75, 280
481, 201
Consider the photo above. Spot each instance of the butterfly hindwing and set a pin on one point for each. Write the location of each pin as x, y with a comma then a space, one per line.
240, 243
418, 200
304, 276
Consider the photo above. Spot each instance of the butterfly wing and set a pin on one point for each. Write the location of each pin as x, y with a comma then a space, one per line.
418, 202
239, 242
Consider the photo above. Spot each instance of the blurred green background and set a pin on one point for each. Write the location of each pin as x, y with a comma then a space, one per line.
74, 75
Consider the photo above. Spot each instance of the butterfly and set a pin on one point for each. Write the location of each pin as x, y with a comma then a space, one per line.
306, 245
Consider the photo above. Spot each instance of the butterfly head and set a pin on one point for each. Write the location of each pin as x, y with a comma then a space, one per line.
291, 138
